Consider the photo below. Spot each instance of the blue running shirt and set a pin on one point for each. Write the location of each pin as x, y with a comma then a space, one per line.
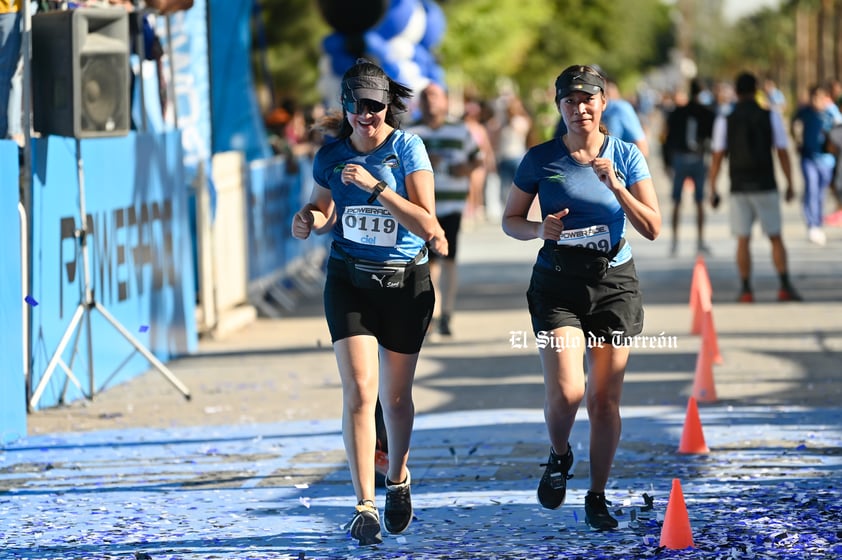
596, 219
363, 230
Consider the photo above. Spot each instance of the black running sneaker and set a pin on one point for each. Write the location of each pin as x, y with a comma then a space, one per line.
596, 512
553, 486
398, 512
365, 525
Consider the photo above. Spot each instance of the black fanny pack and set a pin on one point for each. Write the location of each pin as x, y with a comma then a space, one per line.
375, 275
588, 264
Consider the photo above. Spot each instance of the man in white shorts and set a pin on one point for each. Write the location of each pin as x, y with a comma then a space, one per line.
747, 136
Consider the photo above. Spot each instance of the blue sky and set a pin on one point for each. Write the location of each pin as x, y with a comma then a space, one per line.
735, 9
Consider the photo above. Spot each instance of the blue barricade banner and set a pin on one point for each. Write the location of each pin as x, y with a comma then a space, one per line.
237, 122
12, 387
268, 214
277, 188
139, 248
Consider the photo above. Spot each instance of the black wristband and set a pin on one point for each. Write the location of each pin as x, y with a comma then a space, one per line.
375, 192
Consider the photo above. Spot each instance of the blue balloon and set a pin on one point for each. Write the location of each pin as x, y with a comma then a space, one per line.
340, 62
436, 24
396, 18
333, 43
428, 64
423, 56
378, 48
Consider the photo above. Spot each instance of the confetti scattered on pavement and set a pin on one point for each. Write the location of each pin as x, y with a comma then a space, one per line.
767, 489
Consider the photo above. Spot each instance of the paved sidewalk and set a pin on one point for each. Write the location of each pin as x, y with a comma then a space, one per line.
253, 466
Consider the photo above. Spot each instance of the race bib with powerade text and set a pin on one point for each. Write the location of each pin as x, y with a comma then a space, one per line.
597, 238
370, 225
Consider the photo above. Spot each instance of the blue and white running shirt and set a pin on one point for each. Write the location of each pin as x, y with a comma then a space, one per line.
363, 230
596, 220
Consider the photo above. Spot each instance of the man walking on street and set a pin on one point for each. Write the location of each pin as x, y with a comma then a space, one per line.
810, 127
688, 130
747, 136
455, 155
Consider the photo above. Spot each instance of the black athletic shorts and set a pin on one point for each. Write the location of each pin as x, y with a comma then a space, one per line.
611, 305
451, 224
397, 317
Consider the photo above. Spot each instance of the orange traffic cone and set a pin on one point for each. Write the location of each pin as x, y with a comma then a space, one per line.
692, 438
709, 337
701, 294
704, 389
676, 532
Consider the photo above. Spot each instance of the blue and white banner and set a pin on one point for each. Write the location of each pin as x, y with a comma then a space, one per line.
237, 122
277, 189
190, 64
139, 248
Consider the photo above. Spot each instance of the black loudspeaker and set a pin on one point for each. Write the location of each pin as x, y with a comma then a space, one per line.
80, 72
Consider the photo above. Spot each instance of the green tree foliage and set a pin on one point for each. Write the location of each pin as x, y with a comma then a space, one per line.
287, 36
764, 46
531, 41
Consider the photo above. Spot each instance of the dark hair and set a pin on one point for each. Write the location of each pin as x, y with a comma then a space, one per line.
746, 84
398, 94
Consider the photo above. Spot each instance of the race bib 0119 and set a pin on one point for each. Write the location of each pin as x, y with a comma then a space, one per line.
370, 225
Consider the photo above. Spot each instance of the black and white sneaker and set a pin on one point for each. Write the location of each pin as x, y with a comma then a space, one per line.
365, 525
398, 512
596, 512
553, 486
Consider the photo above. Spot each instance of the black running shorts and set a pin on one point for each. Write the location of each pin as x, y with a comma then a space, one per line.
398, 318
611, 305
451, 224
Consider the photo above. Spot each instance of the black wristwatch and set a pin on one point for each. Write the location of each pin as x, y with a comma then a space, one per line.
375, 192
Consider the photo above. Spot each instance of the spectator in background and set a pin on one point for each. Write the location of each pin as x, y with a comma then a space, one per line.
775, 99
834, 146
476, 118
836, 92
621, 119
512, 141
810, 126
724, 98
747, 137
10, 42
687, 139
455, 155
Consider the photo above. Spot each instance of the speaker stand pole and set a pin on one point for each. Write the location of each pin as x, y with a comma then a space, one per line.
140, 47
26, 182
83, 311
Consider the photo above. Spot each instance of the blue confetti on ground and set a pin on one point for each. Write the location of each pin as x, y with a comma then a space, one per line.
238, 492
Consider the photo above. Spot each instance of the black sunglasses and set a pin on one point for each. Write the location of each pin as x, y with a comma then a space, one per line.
360, 106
